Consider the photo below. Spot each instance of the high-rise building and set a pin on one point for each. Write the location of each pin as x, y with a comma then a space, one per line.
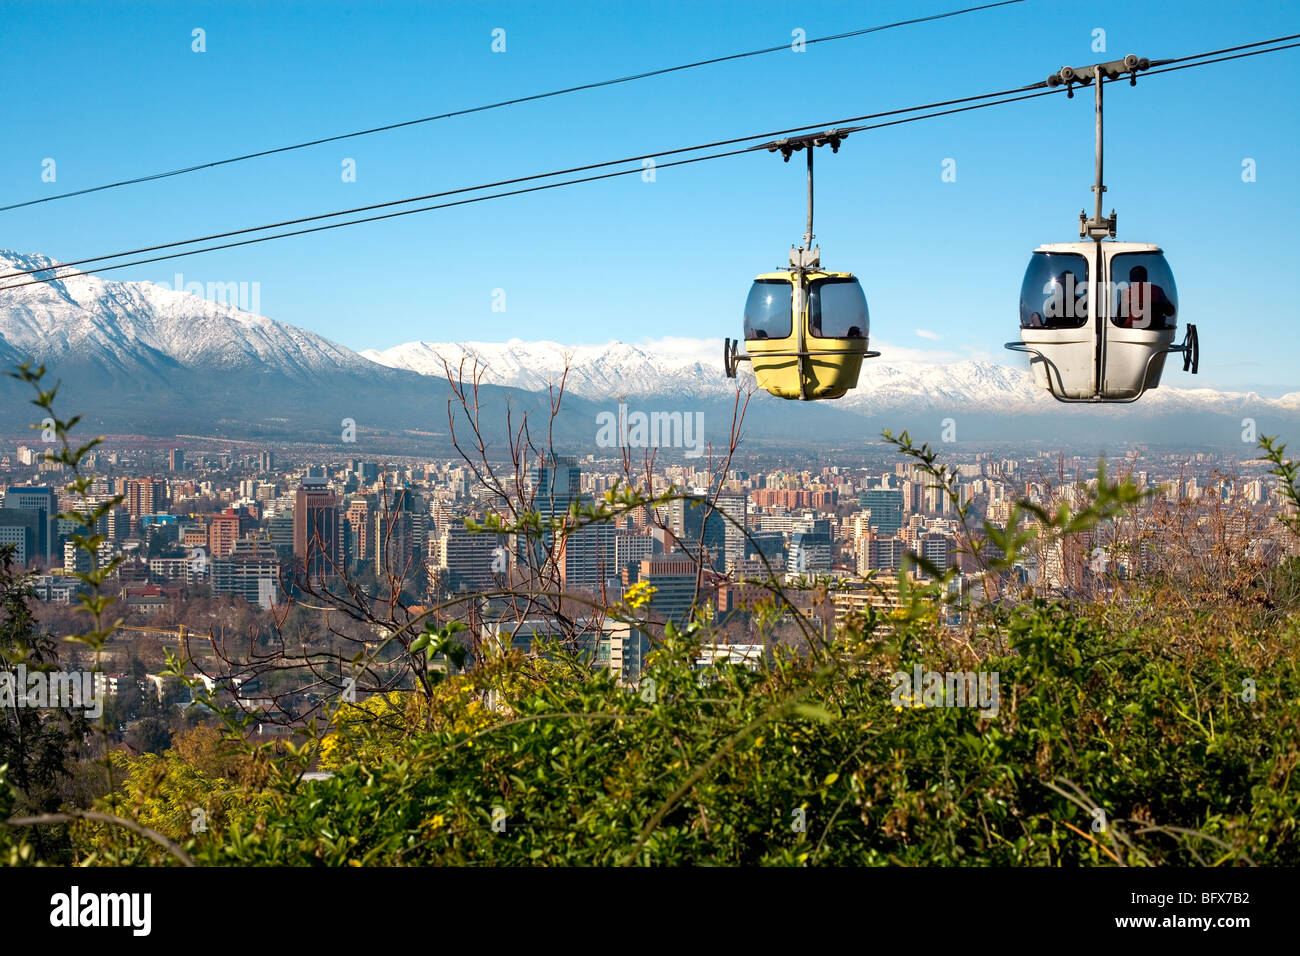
694, 521
735, 509
22, 529
586, 558
937, 549
886, 507
362, 530
176, 460
624, 648
555, 485
43, 504
674, 582
266, 461
145, 496
401, 535
251, 572
471, 562
223, 532
279, 531
769, 545
630, 549
811, 551
118, 523
317, 530
879, 553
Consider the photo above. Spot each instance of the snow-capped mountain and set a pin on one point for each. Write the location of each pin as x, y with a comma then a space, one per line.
681, 368
129, 325
136, 357
141, 358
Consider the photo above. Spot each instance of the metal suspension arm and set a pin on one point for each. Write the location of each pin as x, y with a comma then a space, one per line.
1098, 227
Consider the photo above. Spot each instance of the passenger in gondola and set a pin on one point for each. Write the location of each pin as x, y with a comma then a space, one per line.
1060, 306
1143, 305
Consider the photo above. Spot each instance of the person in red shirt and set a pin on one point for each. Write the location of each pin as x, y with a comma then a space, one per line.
1143, 305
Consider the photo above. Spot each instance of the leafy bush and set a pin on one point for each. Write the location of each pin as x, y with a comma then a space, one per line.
720, 766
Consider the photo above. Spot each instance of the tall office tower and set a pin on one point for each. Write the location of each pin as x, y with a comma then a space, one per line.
886, 507
555, 484
767, 546
811, 551
145, 496
586, 558
674, 582
694, 521
558, 478
630, 549
43, 503
222, 534
938, 549
362, 530
472, 562
22, 529
266, 461
736, 508
878, 553
279, 532
176, 460
401, 535
317, 530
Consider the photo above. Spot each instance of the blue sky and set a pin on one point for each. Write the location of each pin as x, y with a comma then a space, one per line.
112, 90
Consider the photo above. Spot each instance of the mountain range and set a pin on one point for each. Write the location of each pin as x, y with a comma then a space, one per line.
140, 358
693, 367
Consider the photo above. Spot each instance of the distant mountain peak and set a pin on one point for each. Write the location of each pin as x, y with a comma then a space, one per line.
146, 326
139, 352
682, 368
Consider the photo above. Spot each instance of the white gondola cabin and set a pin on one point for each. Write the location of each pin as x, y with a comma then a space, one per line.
1098, 319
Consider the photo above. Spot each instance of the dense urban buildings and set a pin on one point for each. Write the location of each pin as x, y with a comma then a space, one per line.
259, 525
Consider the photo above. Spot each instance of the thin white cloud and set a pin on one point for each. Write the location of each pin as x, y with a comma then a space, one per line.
927, 334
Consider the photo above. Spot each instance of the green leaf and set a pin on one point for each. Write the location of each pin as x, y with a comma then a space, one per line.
814, 712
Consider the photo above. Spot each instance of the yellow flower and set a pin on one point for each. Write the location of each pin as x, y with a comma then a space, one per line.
639, 594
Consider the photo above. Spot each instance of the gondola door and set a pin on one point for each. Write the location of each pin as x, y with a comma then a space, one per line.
1057, 320
1141, 316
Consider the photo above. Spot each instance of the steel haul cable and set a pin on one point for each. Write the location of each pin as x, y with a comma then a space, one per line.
844, 129
152, 177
